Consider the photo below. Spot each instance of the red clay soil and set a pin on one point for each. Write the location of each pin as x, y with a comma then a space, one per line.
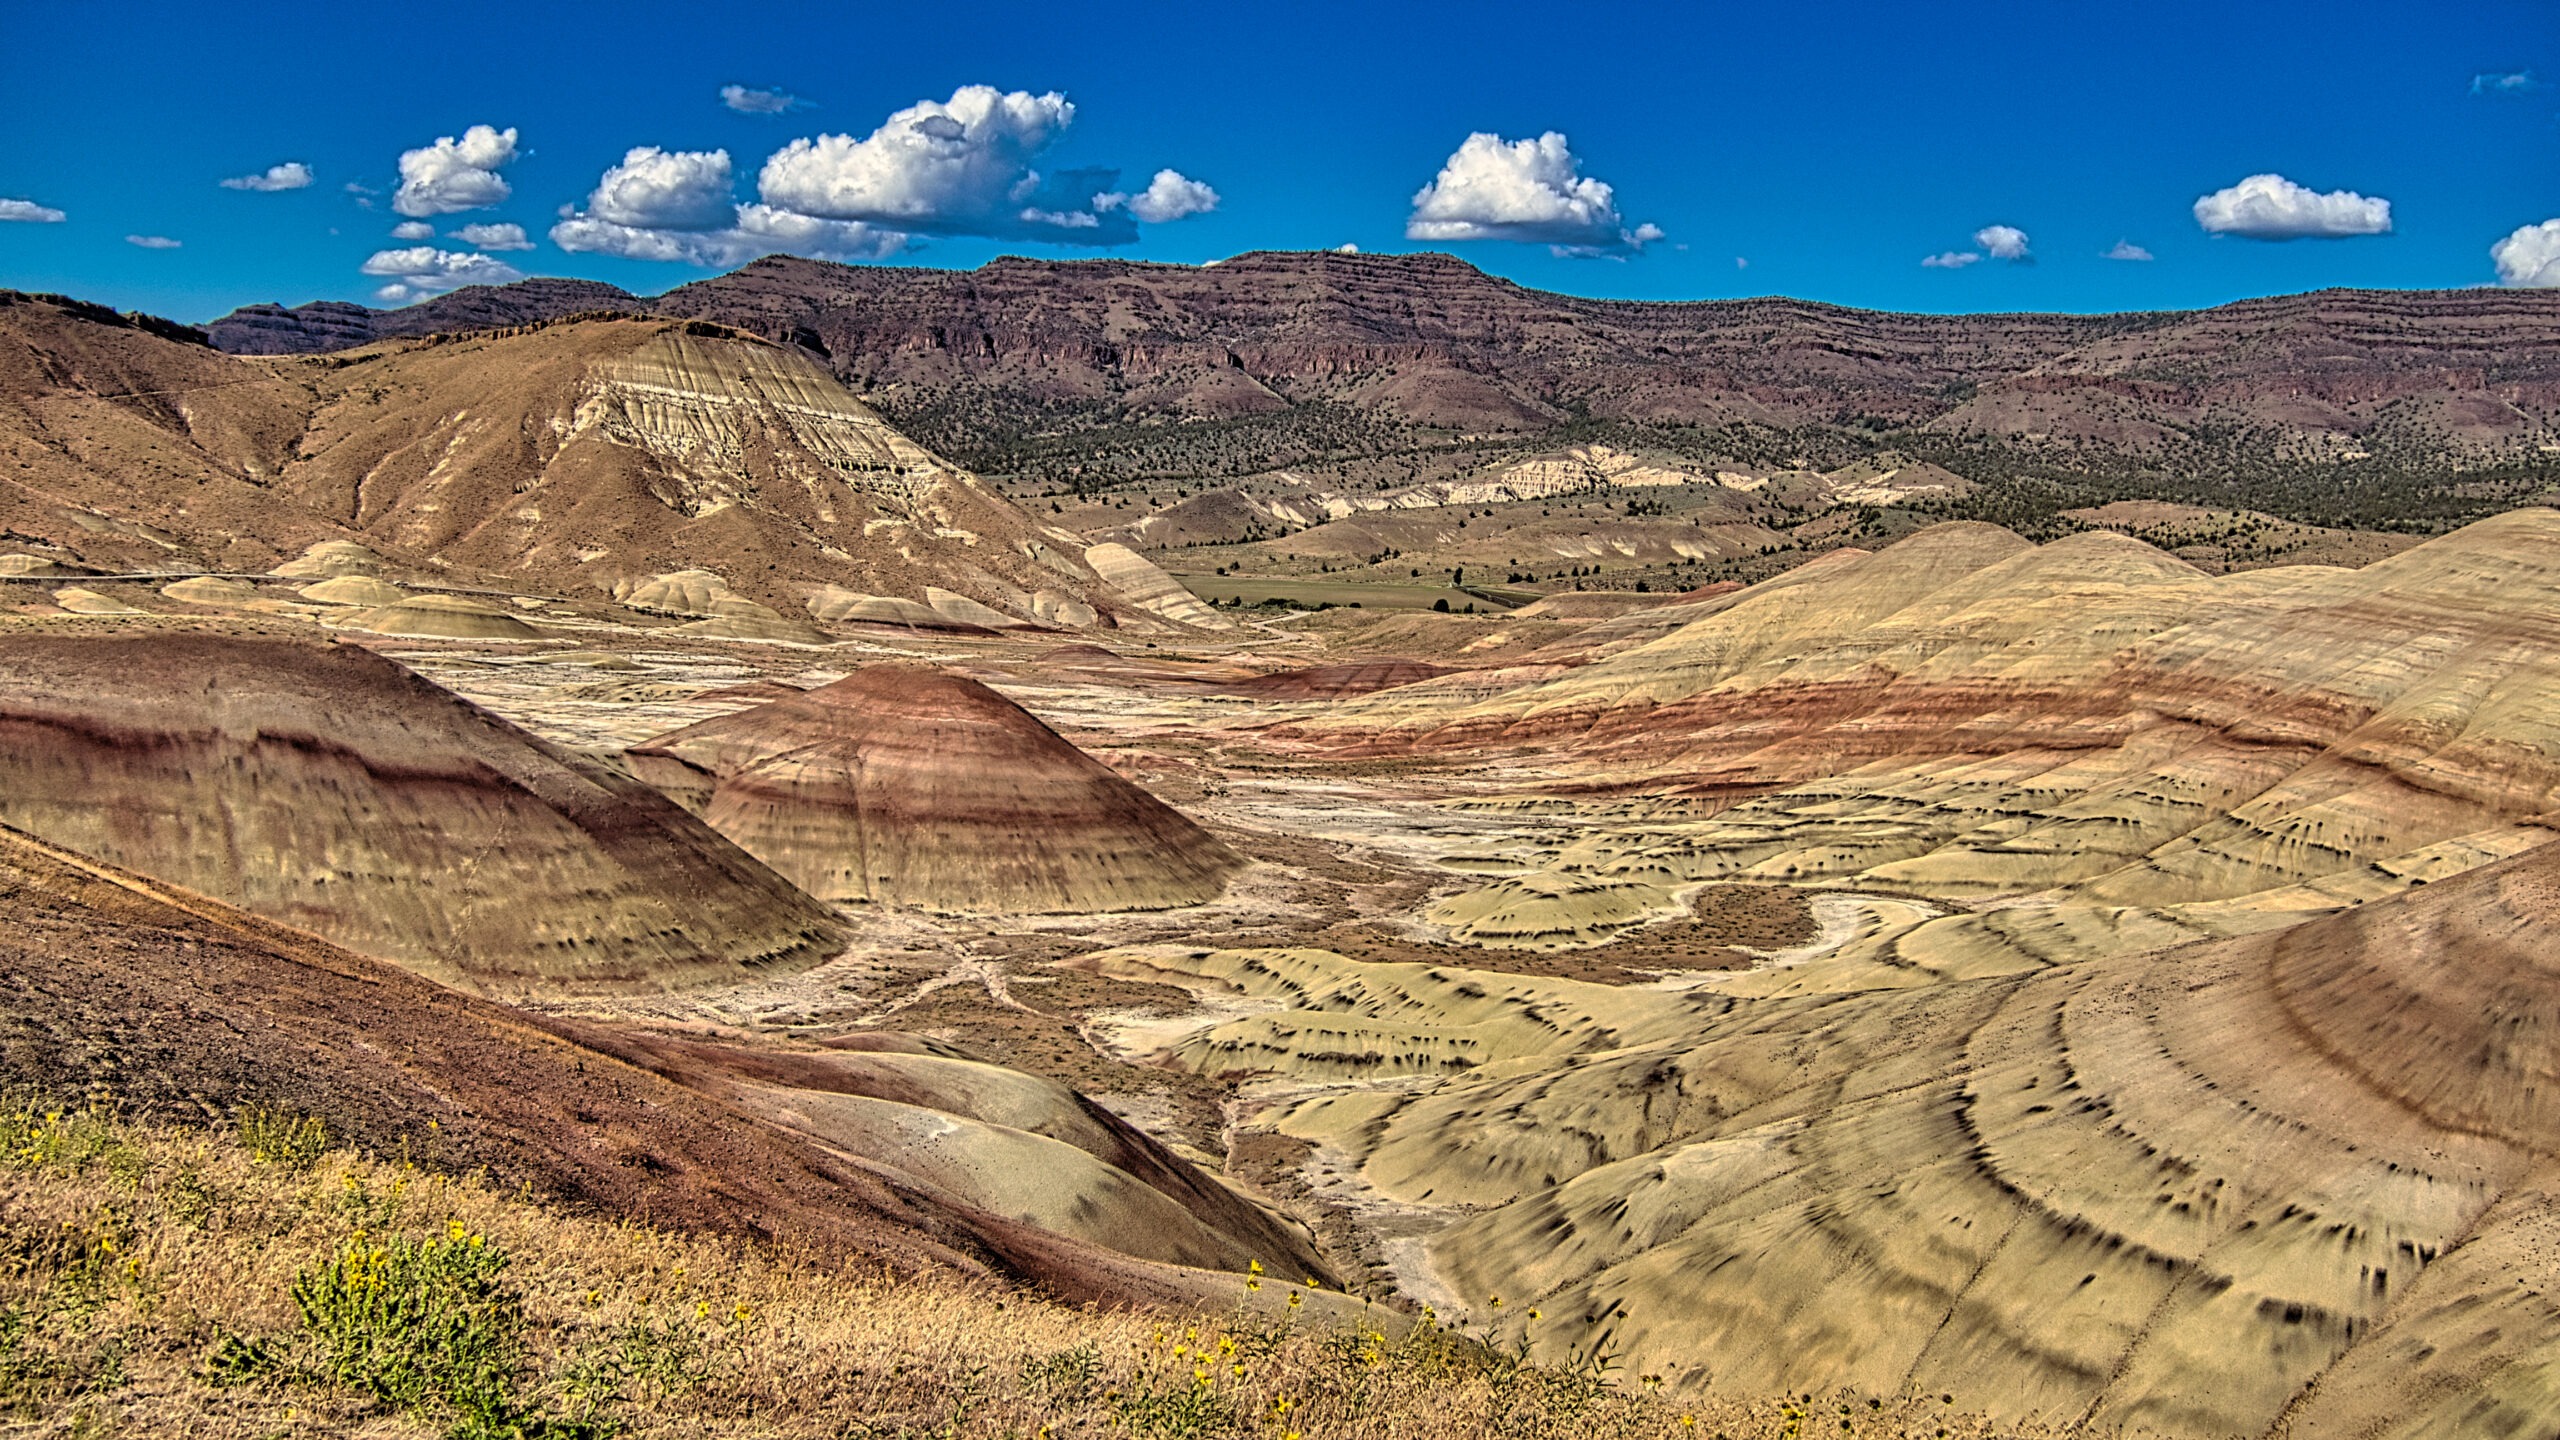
172, 1005
1335, 682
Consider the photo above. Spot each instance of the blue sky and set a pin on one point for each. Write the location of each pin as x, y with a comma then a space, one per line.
1832, 146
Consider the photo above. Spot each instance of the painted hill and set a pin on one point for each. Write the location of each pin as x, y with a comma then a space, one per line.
2289, 1183
2147, 753
328, 788
911, 786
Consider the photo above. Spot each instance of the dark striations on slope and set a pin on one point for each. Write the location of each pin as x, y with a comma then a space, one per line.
182, 1008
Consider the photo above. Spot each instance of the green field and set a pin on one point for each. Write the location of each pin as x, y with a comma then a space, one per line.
1368, 595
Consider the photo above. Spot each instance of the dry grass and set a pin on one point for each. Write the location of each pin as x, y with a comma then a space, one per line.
148, 1281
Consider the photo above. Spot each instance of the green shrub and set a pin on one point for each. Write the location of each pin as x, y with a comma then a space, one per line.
280, 1137
423, 1326
69, 1141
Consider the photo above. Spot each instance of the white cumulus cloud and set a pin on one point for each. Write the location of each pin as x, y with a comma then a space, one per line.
1952, 259
493, 237
153, 242
1526, 190
677, 206
2002, 242
965, 166
752, 100
1167, 198
29, 212
422, 270
413, 230
453, 175
1346, 248
2126, 250
2270, 207
2529, 258
2504, 82
658, 189
291, 175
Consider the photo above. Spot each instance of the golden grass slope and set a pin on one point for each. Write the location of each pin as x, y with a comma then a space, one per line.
653, 1335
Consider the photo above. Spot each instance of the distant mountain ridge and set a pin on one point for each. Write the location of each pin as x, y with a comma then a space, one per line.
1069, 371
325, 325
1293, 326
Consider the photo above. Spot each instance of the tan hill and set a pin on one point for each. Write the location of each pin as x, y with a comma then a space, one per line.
328, 788
904, 785
578, 458
2145, 751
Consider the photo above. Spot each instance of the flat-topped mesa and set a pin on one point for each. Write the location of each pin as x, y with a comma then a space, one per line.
329, 788
909, 786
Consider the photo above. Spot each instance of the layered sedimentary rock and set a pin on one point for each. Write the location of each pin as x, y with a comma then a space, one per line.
2167, 1193
354, 589
834, 603
331, 789
911, 786
1029, 1149
1134, 576
80, 601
